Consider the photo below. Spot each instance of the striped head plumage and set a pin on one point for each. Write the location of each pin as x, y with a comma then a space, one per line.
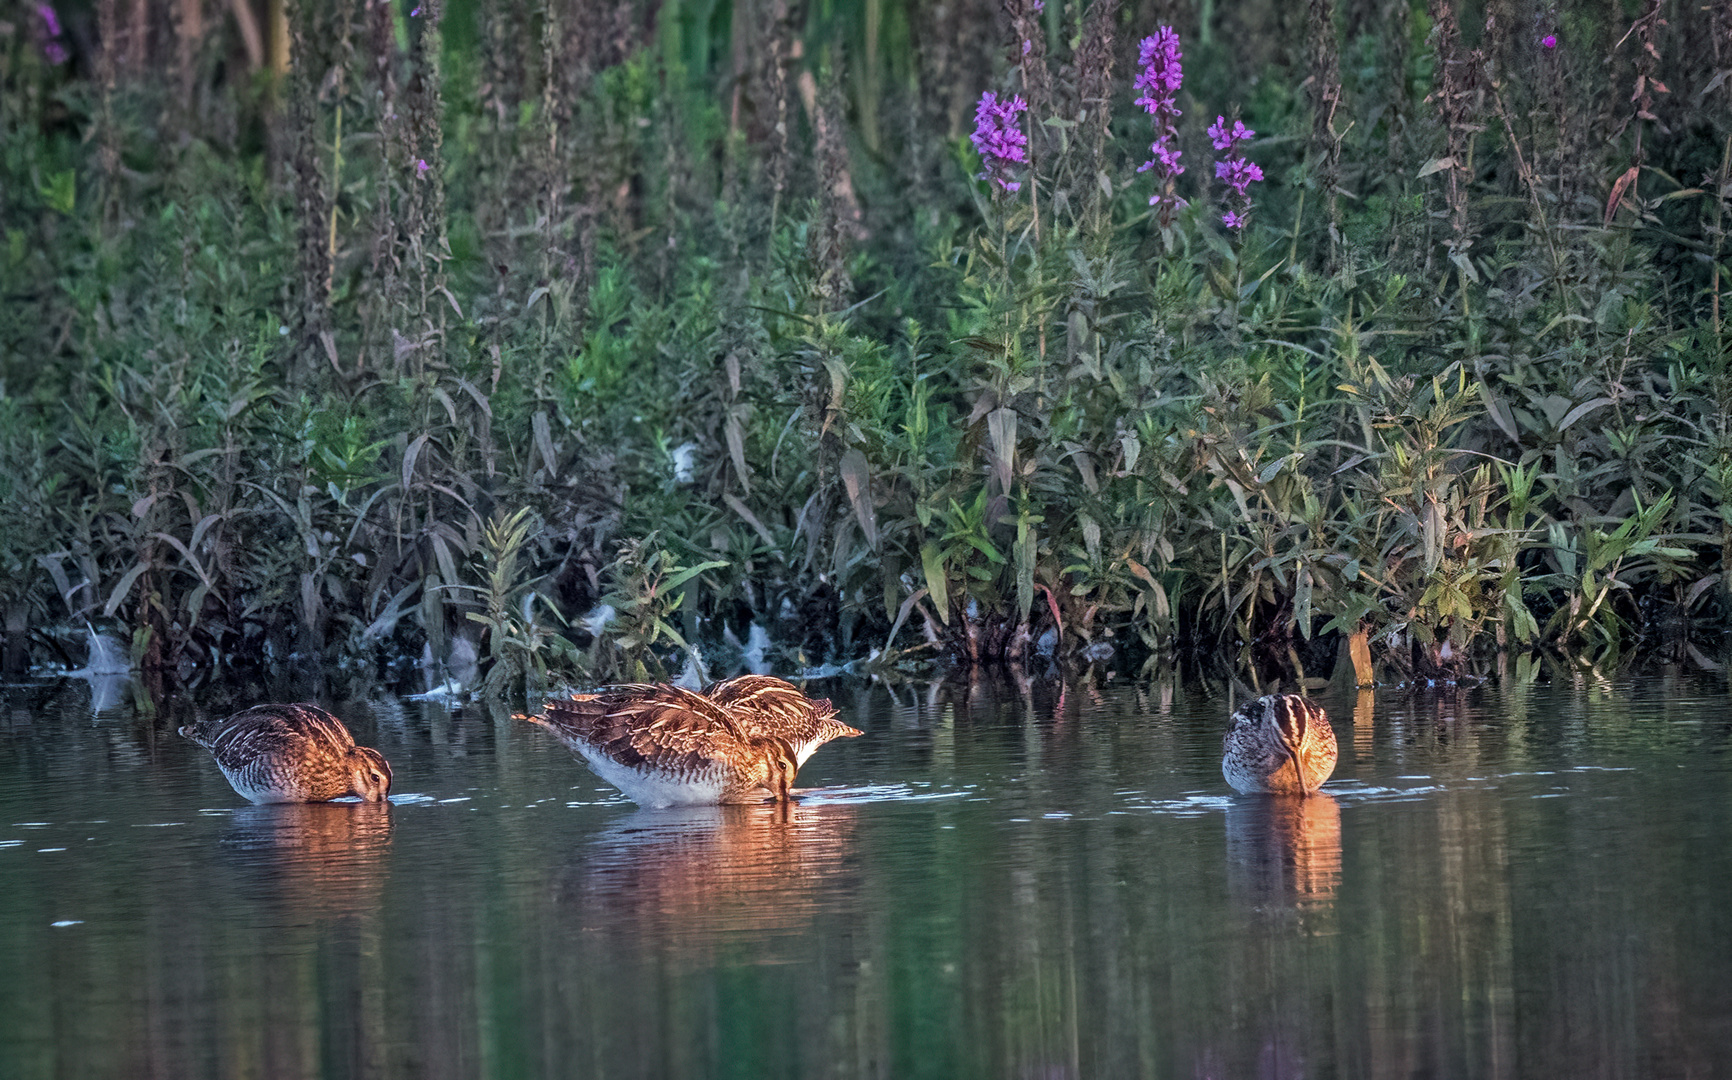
292, 753
667, 746
1280, 743
780, 764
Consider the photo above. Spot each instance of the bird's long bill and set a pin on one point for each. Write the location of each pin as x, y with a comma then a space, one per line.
1291, 726
784, 766
1292, 753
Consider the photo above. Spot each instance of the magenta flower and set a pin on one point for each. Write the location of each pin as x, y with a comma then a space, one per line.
421, 167
1550, 41
999, 138
1235, 170
1159, 82
1165, 158
1162, 73
1223, 139
1238, 173
48, 35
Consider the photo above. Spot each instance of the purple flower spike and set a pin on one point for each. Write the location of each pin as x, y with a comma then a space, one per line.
48, 35
999, 138
1162, 73
1159, 82
421, 167
1550, 41
1238, 172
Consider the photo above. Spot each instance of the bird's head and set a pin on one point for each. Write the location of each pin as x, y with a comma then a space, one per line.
781, 766
369, 774
1290, 716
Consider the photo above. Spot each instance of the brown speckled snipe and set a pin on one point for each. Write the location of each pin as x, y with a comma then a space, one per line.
290, 754
668, 746
765, 706
1281, 743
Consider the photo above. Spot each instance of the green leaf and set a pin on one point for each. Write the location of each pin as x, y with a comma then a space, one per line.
932, 565
61, 191
690, 572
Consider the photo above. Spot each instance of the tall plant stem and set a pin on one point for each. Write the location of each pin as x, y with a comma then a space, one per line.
1719, 235
336, 185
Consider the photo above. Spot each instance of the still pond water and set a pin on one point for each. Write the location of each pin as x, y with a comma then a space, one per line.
1044, 883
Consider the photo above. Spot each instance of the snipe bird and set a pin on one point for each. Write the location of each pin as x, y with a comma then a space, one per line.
669, 746
291, 754
763, 705
1281, 743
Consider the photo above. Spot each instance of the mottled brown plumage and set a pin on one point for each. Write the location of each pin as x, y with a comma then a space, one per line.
291, 753
763, 705
667, 746
1280, 743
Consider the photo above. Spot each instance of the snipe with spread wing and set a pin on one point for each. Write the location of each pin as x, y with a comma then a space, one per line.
291, 753
1281, 743
669, 746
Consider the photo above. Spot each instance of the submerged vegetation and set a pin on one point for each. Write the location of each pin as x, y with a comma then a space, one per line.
566, 335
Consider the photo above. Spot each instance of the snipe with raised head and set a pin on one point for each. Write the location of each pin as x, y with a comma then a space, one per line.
1281, 743
291, 753
669, 746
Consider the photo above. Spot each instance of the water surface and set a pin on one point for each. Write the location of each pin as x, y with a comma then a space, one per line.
994, 882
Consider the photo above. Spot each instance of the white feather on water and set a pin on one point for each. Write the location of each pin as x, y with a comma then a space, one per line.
694, 675
752, 653
757, 641
106, 656
446, 691
107, 669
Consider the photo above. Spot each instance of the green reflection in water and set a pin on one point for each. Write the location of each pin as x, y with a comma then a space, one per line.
990, 884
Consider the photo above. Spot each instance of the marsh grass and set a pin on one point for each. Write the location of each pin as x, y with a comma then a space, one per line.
495, 319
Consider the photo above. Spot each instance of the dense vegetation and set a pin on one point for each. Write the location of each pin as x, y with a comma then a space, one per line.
382, 329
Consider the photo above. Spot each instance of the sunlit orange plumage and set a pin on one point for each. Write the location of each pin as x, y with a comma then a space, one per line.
291, 753
1281, 743
666, 745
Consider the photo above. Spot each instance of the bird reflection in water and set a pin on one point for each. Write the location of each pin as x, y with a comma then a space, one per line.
691, 878
323, 859
1283, 872
1284, 851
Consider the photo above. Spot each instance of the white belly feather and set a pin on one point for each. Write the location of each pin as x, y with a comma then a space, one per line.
657, 787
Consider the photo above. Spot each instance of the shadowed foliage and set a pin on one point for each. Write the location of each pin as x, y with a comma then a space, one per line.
574, 337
